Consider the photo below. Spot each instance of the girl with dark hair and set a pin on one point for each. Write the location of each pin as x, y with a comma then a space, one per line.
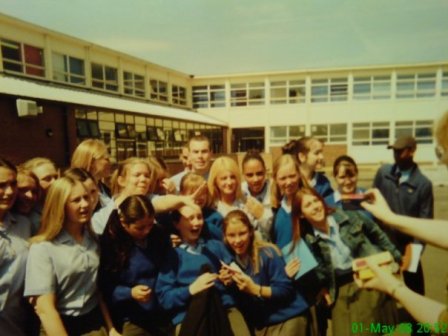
257, 190
132, 249
345, 173
14, 233
336, 238
192, 268
267, 296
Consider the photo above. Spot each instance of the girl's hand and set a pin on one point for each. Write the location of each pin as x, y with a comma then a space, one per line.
195, 198
376, 204
168, 185
292, 267
225, 276
141, 293
202, 283
383, 280
254, 207
245, 283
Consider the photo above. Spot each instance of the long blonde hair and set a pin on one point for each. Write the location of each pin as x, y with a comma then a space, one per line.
86, 153
53, 214
255, 244
221, 164
276, 195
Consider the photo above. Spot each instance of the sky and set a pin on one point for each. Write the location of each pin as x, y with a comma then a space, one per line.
210, 37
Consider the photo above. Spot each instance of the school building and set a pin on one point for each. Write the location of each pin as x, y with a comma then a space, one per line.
56, 90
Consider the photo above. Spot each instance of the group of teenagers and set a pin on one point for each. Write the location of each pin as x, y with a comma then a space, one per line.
209, 251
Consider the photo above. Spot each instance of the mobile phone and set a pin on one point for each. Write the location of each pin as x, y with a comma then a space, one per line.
352, 201
232, 268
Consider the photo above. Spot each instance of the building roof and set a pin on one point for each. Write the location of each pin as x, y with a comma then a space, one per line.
26, 88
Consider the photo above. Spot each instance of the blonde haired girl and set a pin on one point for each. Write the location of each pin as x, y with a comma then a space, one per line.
93, 156
263, 277
63, 262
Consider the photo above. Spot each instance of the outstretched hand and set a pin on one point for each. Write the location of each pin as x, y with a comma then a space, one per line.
377, 205
383, 280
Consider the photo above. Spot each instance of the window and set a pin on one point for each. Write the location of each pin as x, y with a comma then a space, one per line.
104, 77
416, 85
256, 93
420, 130
243, 94
22, 58
332, 89
179, 95
331, 133
375, 133
282, 134
87, 128
125, 131
238, 95
279, 135
134, 84
371, 87
68, 69
217, 96
444, 85
159, 90
288, 92
200, 97
209, 96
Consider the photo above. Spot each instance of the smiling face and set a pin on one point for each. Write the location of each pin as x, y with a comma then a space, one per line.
8, 189
226, 182
314, 159
255, 176
139, 229
287, 179
346, 179
190, 224
313, 210
77, 207
200, 156
238, 237
137, 179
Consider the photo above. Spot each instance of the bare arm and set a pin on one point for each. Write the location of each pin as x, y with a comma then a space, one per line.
45, 307
423, 309
171, 202
432, 231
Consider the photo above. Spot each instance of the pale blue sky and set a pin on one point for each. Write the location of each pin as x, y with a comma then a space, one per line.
233, 36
